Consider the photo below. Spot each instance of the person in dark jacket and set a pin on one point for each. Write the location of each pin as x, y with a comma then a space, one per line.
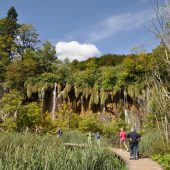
59, 133
133, 143
98, 138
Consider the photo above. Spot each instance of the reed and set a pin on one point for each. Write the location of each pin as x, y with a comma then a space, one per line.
34, 152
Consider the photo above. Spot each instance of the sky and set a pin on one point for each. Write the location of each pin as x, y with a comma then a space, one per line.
80, 29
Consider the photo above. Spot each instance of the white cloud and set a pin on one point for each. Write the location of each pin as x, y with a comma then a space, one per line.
119, 23
74, 50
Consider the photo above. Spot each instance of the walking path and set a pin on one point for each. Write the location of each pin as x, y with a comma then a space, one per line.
140, 164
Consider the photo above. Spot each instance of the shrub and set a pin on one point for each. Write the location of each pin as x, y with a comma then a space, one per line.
90, 123
152, 143
163, 159
29, 115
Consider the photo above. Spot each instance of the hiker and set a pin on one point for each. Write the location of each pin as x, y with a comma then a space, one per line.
133, 143
59, 133
122, 136
98, 138
89, 138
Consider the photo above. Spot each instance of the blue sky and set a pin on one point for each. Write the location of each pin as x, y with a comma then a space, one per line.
108, 26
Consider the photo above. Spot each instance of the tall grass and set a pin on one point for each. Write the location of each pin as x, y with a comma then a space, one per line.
32, 152
153, 143
81, 138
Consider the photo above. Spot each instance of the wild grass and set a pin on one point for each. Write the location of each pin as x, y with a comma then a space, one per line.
153, 144
81, 138
33, 152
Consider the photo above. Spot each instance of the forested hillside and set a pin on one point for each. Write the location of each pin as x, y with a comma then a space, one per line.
40, 92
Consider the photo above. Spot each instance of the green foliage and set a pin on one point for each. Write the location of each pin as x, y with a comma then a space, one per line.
92, 84
74, 136
47, 124
90, 123
9, 125
46, 57
150, 121
112, 128
31, 151
153, 143
135, 67
86, 78
109, 78
29, 115
27, 38
10, 103
159, 60
163, 159
65, 118
8, 33
12, 14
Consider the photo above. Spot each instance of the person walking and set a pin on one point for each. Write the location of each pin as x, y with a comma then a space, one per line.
89, 138
59, 133
98, 138
122, 136
133, 143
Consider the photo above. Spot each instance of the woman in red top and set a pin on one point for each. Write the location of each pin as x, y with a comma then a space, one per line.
122, 136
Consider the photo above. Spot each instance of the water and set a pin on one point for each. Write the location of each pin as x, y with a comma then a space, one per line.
54, 101
127, 117
42, 93
132, 119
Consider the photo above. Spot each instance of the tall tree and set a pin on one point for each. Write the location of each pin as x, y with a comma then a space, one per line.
11, 19
27, 38
8, 33
160, 76
46, 57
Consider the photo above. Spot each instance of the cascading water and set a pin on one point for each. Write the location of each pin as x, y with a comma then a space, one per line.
42, 93
130, 118
127, 117
54, 101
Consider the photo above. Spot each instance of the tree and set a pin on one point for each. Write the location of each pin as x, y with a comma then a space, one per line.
109, 78
8, 33
161, 82
27, 38
20, 70
11, 20
10, 105
29, 116
46, 57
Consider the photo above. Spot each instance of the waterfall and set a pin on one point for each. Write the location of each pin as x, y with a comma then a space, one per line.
127, 117
130, 118
54, 101
42, 93
137, 124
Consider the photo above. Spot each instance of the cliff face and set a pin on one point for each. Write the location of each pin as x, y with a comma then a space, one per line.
84, 101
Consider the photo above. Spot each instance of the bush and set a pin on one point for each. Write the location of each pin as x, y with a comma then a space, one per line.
163, 159
9, 124
29, 115
152, 143
90, 123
